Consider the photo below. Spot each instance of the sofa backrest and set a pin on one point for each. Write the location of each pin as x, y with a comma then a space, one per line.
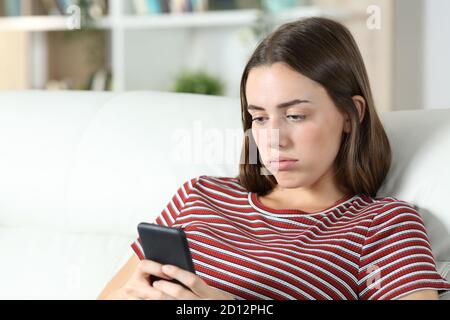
420, 173
80, 170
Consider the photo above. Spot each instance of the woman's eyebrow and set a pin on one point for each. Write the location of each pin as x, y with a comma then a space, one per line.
281, 105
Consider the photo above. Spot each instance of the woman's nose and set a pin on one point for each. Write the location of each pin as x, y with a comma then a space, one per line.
278, 134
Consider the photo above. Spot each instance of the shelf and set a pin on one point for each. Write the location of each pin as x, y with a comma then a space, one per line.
195, 19
43, 23
305, 12
119, 48
226, 18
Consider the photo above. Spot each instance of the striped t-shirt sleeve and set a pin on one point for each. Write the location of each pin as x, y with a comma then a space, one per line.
396, 258
170, 212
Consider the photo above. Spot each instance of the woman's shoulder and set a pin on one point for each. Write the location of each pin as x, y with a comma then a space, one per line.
384, 202
390, 209
220, 183
382, 208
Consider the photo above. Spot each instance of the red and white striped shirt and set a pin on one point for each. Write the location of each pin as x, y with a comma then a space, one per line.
360, 248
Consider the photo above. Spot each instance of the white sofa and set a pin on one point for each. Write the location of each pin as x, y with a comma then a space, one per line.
79, 171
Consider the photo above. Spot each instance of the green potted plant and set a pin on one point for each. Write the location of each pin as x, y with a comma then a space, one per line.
199, 82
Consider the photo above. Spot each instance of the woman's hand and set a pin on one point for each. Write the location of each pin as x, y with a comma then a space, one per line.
199, 289
138, 286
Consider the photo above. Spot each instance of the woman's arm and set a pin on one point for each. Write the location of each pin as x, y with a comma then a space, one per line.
422, 295
119, 280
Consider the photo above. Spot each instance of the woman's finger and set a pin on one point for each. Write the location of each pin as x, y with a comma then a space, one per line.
189, 279
149, 267
175, 290
148, 293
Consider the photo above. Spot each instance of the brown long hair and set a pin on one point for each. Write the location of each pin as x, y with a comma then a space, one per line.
326, 52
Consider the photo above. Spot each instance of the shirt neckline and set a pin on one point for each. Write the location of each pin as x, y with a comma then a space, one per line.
256, 204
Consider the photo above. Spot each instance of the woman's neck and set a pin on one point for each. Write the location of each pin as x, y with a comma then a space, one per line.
302, 199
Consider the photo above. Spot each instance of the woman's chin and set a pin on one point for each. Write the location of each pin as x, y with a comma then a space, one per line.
286, 180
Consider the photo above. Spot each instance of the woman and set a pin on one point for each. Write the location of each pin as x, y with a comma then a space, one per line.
323, 153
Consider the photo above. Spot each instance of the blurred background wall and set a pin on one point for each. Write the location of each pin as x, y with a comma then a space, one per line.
202, 45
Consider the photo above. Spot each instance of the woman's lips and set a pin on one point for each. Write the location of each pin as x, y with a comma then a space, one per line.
283, 165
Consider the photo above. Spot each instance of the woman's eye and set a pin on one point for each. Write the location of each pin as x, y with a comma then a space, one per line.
257, 119
297, 117
293, 117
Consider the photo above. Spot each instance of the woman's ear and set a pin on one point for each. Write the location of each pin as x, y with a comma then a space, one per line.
360, 104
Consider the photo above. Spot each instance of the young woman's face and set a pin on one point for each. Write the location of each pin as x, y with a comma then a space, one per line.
309, 129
